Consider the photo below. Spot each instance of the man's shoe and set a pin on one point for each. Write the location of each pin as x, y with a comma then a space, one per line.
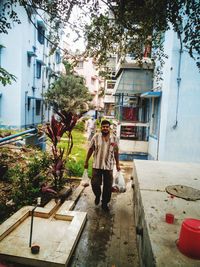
105, 207
97, 200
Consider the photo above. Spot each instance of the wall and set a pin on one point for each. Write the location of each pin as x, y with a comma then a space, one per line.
90, 72
180, 124
11, 60
14, 100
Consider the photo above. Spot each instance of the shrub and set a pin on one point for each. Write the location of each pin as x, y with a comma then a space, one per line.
27, 180
80, 126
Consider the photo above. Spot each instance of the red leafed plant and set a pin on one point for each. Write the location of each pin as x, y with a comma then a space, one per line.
55, 130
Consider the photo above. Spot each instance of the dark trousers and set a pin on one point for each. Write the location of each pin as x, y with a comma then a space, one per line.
106, 176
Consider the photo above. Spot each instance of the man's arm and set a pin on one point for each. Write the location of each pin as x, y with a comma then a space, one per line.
89, 154
116, 155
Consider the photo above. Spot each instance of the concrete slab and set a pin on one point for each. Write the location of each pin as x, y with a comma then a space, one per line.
55, 229
156, 238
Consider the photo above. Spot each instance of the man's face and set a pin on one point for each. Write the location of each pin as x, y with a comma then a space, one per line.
105, 129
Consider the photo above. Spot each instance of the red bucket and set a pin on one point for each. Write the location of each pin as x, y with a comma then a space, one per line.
189, 238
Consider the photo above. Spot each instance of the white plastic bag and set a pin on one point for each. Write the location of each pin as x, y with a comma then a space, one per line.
119, 184
85, 179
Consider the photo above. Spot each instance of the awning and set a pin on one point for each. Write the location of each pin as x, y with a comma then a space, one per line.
151, 94
41, 62
31, 54
41, 23
134, 81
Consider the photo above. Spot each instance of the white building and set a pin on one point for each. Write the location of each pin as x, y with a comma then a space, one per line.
170, 107
175, 114
88, 69
26, 55
109, 98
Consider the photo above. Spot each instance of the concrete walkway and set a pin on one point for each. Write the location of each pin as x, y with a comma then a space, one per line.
108, 239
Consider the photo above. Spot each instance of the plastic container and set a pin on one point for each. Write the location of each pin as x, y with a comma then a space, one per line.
169, 216
189, 238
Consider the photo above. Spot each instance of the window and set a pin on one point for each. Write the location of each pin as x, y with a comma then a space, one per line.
38, 107
45, 106
110, 85
1, 47
93, 80
47, 73
40, 33
155, 116
29, 60
29, 103
38, 69
80, 65
58, 57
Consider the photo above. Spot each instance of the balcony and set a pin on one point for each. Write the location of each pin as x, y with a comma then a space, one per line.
130, 63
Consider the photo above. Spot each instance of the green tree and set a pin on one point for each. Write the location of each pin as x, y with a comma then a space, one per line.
68, 93
135, 24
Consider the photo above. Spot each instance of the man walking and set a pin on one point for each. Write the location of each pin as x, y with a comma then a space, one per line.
104, 148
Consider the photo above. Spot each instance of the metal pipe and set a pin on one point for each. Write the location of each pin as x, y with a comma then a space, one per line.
26, 105
11, 141
32, 215
33, 130
31, 230
178, 81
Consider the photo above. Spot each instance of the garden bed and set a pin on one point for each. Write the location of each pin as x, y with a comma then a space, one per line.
16, 189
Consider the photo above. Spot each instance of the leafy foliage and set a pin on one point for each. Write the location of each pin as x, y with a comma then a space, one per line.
6, 77
75, 163
135, 25
68, 93
27, 180
60, 155
80, 126
128, 27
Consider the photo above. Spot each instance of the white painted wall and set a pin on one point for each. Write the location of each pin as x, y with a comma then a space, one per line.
91, 74
20, 39
179, 142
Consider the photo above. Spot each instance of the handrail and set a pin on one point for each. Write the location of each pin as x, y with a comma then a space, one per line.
3, 139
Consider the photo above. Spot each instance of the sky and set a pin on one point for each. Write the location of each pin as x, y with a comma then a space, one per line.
73, 40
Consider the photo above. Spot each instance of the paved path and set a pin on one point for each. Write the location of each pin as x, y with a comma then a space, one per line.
108, 239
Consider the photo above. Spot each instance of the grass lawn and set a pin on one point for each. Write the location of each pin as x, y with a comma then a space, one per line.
75, 164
